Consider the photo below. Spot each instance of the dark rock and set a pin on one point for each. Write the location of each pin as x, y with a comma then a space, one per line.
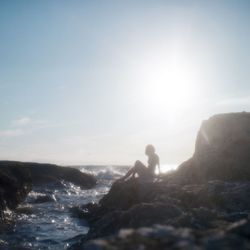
167, 237
237, 216
17, 179
136, 204
15, 184
241, 227
45, 198
144, 214
123, 195
88, 211
221, 151
3, 245
25, 209
48, 173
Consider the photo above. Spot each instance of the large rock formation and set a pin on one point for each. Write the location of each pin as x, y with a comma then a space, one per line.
17, 179
223, 147
222, 151
41, 173
205, 194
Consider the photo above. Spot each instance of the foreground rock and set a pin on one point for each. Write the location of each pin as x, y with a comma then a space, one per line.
235, 236
52, 174
205, 194
133, 204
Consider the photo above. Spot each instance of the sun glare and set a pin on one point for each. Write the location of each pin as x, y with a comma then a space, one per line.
172, 88
170, 85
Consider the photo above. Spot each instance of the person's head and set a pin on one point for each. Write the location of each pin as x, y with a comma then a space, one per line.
149, 150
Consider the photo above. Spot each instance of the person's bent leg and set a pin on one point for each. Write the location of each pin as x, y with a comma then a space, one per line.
140, 168
130, 172
136, 169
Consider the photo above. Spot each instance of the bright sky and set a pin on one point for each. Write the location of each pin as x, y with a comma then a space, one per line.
93, 82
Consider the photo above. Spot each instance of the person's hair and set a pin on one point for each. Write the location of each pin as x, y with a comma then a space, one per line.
149, 149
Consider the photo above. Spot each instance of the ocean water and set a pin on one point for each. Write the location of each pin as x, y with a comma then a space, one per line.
50, 225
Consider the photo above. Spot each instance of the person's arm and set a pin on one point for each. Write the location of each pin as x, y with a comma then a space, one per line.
159, 169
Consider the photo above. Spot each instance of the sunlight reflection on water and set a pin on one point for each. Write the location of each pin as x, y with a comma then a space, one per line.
167, 168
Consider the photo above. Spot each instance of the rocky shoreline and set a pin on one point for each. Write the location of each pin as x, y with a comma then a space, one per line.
204, 204
204, 211
18, 178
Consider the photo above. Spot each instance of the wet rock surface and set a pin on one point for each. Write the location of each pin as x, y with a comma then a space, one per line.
15, 184
17, 179
204, 204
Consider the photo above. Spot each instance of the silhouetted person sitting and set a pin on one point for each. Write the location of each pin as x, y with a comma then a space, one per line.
146, 173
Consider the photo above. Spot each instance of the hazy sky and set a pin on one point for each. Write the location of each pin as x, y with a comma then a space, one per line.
95, 81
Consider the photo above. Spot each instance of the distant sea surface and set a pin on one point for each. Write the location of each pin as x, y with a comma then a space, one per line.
50, 225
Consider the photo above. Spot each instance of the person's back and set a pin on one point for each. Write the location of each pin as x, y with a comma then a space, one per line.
153, 161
